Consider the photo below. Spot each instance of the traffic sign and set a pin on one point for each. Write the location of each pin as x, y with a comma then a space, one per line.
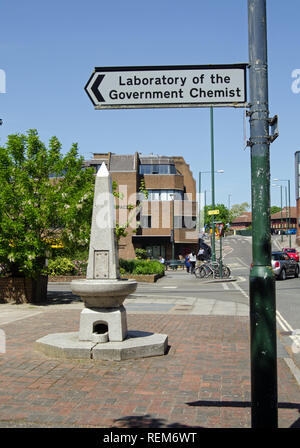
168, 86
213, 212
220, 227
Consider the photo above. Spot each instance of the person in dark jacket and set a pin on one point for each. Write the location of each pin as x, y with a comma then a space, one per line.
206, 255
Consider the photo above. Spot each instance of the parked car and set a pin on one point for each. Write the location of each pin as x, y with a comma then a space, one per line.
293, 253
284, 266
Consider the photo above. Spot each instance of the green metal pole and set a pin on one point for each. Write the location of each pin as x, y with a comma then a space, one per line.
213, 240
286, 210
289, 214
281, 224
264, 412
173, 227
199, 216
204, 209
221, 255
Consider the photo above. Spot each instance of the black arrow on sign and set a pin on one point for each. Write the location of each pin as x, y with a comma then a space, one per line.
95, 89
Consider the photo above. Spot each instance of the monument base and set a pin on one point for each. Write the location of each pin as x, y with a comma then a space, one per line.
138, 344
113, 321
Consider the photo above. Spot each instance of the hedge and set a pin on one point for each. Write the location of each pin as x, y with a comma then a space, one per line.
141, 267
65, 266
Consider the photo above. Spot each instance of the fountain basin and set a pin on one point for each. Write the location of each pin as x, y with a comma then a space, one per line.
103, 293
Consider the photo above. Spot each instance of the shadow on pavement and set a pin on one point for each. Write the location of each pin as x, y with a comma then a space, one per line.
60, 298
145, 421
296, 424
245, 404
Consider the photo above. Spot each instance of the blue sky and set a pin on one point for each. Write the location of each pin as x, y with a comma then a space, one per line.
48, 51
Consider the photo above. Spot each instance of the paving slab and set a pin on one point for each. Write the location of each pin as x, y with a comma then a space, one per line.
202, 381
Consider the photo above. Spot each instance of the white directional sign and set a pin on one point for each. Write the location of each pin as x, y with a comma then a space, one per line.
168, 86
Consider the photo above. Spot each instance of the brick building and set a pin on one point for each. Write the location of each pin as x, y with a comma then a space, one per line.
279, 220
157, 194
282, 220
242, 222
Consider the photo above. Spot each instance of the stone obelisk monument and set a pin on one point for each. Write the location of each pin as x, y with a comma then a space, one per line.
103, 330
103, 292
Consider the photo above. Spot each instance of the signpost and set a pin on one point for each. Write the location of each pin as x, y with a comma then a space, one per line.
264, 400
220, 226
221, 86
168, 86
213, 212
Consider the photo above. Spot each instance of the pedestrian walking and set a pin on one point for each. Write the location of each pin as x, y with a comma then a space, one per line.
193, 260
187, 263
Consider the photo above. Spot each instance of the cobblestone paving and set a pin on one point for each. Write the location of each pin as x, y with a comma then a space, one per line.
203, 381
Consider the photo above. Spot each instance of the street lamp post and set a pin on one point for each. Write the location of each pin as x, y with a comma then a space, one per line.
289, 193
199, 202
286, 210
281, 224
173, 228
213, 241
200, 177
204, 209
264, 406
229, 196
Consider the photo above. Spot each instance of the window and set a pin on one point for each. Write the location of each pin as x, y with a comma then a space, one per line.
154, 196
177, 222
156, 251
189, 222
165, 195
157, 169
146, 222
184, 222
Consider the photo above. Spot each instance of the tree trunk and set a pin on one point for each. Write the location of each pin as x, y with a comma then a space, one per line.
39, 289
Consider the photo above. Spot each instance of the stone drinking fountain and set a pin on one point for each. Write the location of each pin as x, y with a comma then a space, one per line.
103, 332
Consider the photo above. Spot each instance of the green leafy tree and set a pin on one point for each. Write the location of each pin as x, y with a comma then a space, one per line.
274, 209
238, 209
121, 230
222, 216
45, 197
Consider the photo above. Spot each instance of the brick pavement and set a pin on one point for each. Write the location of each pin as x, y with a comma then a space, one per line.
203, 381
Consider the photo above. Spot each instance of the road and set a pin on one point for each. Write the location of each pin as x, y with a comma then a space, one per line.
237, 252
179, 292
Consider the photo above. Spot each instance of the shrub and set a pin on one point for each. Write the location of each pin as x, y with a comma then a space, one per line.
61, 266
127, 265
65, 266
154, 267
141, 254
80, 267
141, 267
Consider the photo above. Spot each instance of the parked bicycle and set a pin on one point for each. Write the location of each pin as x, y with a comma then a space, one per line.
211, 269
